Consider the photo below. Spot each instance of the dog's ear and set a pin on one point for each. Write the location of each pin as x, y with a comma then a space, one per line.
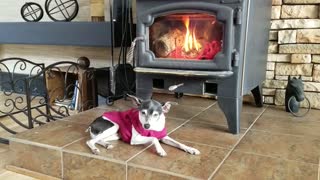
166, 107
136, 101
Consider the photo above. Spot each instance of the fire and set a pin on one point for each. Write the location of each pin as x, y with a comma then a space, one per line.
190, 41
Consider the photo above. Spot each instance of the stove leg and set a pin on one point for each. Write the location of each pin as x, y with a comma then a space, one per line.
231, 108
144, 93
257, 94
143, 86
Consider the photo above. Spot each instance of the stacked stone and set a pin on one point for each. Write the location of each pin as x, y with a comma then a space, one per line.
294, 49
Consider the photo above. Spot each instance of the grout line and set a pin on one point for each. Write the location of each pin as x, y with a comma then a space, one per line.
35, 144
126, 171
134, 156
127, 161
72, 142
188, 120
175, 118
319, 169
62, 170
234, 147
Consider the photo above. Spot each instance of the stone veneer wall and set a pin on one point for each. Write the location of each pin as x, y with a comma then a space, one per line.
294, 49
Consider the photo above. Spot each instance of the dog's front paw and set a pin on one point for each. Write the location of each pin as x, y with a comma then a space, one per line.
109, 146
192, 150
95, 151
161, 152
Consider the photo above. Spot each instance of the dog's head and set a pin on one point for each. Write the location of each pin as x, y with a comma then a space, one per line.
151, 113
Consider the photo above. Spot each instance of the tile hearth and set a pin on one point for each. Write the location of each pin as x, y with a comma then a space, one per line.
271, 142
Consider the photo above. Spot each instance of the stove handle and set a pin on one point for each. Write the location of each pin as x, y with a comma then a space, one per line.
130, 53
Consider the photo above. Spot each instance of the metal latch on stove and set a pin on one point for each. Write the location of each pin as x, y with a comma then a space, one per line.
238, 16
235, 59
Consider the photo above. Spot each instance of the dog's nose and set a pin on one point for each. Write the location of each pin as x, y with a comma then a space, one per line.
146, 126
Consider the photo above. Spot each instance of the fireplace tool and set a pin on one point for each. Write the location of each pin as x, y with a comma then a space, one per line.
122, 76
295, 95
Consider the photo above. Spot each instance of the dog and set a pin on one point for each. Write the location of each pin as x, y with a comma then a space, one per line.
142, 125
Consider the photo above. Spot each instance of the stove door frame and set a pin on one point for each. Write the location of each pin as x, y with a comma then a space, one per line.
221, 62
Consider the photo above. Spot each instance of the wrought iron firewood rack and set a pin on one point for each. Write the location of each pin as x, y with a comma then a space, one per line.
28, 100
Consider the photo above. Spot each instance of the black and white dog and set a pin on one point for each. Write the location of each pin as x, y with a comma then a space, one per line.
142, 125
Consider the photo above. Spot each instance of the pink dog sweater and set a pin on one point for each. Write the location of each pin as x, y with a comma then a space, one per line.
129, 118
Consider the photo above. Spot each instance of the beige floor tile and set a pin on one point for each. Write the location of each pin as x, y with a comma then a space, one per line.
279, 111
184, 112
82, 167
242, 166
180, 162
59, 133
214, 115
299, 148
280, 124
38, 159
206, 134
173, 123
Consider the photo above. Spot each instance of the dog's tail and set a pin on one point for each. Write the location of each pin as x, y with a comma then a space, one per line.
89, 129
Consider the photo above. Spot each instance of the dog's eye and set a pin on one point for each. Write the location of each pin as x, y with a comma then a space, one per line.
143, 113
155, 115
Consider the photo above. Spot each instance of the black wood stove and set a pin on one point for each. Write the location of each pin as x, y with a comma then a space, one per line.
211, 46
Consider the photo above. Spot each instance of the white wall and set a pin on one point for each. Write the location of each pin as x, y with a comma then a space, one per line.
10, 12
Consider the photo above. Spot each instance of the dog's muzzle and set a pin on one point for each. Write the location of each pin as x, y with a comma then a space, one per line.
146, 126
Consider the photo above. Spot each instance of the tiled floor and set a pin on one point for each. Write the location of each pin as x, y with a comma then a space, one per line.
272, 145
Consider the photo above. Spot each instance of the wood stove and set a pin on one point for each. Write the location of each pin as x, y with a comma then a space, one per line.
211, 46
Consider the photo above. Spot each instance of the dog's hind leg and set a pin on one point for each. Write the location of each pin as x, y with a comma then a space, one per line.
105, 134
105, 142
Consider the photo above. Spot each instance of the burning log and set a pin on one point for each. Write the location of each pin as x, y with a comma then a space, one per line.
167, 43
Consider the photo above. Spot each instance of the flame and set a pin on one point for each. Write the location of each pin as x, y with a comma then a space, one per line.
190, 40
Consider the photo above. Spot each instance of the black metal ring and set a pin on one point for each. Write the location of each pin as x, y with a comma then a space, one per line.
299, 115
31, 11
66, 19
